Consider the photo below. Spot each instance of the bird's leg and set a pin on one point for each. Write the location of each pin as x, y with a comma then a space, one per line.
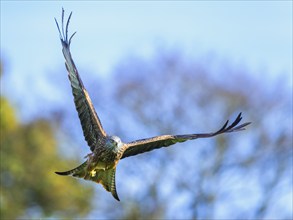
90, 161
90, 165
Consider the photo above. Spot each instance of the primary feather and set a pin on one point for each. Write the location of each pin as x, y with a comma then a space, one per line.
91, 125
100, 166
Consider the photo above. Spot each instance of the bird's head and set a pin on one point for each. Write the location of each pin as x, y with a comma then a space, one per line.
113, 142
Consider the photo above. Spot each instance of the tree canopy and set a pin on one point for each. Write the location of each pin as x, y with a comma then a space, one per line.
29, 157
239, 175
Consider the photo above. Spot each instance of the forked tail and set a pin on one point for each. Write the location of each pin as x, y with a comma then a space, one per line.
104, 177
79, 171
107, 179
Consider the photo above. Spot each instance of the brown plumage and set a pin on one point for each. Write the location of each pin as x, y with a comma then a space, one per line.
100, 165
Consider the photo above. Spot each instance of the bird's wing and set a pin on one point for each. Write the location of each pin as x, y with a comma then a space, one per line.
90, 122
148, 144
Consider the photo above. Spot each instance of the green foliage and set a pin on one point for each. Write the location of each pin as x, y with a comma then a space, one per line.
29, 186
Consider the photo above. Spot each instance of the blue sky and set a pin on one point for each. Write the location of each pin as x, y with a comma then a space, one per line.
257, 34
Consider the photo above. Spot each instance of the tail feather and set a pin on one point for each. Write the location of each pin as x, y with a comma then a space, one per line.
78, 171
107, 179
104, 177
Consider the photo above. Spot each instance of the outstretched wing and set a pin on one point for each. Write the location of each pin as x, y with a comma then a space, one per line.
90, 122
148, 144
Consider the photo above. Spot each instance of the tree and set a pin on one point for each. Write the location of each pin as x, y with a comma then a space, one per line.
242, 175
29, 157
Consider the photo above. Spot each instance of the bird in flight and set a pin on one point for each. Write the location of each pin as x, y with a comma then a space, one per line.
107, 150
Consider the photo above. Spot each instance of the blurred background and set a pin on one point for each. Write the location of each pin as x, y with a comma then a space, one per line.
151, 68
